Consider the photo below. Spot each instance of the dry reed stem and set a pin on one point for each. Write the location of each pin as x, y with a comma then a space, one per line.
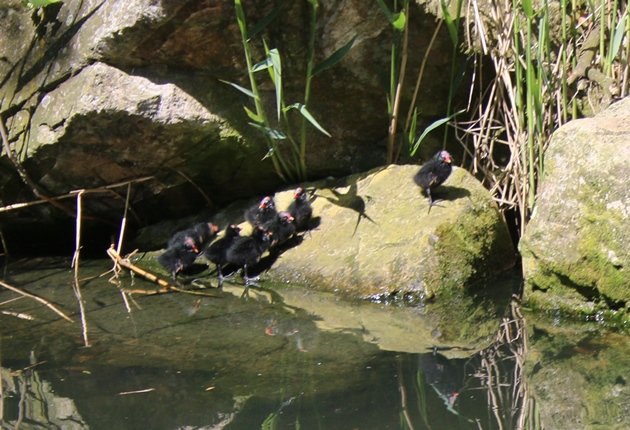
72, 194
75, 263
167, 287
37, 298
22, 172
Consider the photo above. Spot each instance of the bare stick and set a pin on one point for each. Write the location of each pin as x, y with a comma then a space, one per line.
22, 172
121, 235
167, 287
72, 194
113, 254
37, 298
75, 263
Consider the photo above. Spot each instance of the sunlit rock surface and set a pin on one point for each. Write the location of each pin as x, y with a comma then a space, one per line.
377, 238
575, 251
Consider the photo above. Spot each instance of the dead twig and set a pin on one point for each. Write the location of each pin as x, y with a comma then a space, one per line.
24, 176
37, 298
75, 263
167, 287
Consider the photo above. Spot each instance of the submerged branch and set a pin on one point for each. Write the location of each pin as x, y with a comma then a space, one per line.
167, 287
37, 298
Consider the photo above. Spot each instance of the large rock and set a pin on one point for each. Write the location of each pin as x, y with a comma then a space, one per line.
575, 250
159, 66
377, 239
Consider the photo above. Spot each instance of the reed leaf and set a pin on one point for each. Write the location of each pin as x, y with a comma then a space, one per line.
334, 58
429, 129
266, 20
307, 115
244, 90
271, 133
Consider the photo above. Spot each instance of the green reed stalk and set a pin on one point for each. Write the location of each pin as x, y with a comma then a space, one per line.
452, 23
276, 157
307, 87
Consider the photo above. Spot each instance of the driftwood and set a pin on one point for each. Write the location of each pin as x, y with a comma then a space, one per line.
37, 298
167, 287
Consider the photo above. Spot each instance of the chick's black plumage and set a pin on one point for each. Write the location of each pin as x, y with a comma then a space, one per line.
184, 247
262, 213
217, 252
246, 251
433, 173
179, 256
281, 228
301, 209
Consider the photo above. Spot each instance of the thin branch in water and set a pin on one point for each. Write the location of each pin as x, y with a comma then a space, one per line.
75, 263
37, 298
167, 287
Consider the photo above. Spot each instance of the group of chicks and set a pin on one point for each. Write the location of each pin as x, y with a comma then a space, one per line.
271, 229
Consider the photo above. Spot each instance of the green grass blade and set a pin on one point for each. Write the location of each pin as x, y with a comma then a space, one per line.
274, 58
335, 58
271, 133
399, 21
429, 129
386, 10
263, 65
267, 19
306, 114
253, 115
619, 34
241, 89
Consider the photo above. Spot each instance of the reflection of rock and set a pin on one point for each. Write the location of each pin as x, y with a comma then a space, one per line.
29, 399
575, 250
579, 377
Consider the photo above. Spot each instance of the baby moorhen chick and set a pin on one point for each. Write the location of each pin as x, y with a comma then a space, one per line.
246, 251
300, 209
264, 212
179, 256
281, 228
433, 173
201, 234
217, 252
184, 247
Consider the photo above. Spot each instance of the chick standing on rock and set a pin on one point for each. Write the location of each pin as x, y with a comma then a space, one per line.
300, 209
184, 247
433, 173
217, 252
246, 251
262, 213
281, 228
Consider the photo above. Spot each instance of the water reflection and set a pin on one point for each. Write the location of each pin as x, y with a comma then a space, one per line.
273, 361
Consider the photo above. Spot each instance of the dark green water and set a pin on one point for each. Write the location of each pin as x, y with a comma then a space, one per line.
288, 358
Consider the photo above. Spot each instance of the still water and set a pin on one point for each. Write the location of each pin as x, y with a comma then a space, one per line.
285, 357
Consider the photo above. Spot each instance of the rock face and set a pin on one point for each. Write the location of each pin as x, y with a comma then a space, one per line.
99, 92
575, 250
377, 239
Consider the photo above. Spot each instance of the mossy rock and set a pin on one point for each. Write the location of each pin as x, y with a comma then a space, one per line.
376, 237
575, 250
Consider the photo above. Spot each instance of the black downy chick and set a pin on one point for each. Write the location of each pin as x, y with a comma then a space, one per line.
179, 256
433, 173
300, 209
282, 228
246, 251
217, 252
262, 213
184, 247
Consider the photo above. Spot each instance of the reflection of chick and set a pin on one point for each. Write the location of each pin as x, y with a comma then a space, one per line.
433, 173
